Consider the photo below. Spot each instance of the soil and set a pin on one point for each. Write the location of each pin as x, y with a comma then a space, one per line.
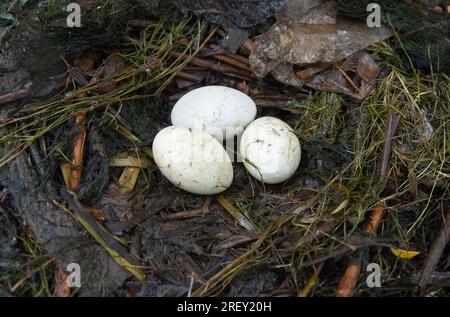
184, 240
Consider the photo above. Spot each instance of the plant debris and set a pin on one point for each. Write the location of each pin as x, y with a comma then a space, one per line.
314, 36
78, 182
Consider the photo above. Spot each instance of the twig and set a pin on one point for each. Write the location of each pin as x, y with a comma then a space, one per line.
376, 218
280, 102
237, 57
224, 69
78, 151
182, 215
393, 121
188, 77
236, 240
344, 74
435, 253
230, 60
440, 279
85, 64
17, 95
350, 279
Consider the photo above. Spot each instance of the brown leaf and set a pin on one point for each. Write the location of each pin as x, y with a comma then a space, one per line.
87, 61
112, 65
128, 179
116, 201
62, 288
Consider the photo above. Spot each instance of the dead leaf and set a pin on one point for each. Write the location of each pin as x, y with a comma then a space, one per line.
341, 206
116, 201
127, 160
128, 179
62, 288
87, 61
312, 282
112, 64
66, 170
404, 254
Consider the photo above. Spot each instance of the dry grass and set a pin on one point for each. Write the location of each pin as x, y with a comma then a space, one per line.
415, 185
303, 227
39, 118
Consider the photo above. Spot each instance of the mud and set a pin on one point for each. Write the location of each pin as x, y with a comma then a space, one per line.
57, 231
241, 14
175, 253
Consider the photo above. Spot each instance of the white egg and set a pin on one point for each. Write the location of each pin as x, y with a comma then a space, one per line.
192, 160
221, 111
270, 150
